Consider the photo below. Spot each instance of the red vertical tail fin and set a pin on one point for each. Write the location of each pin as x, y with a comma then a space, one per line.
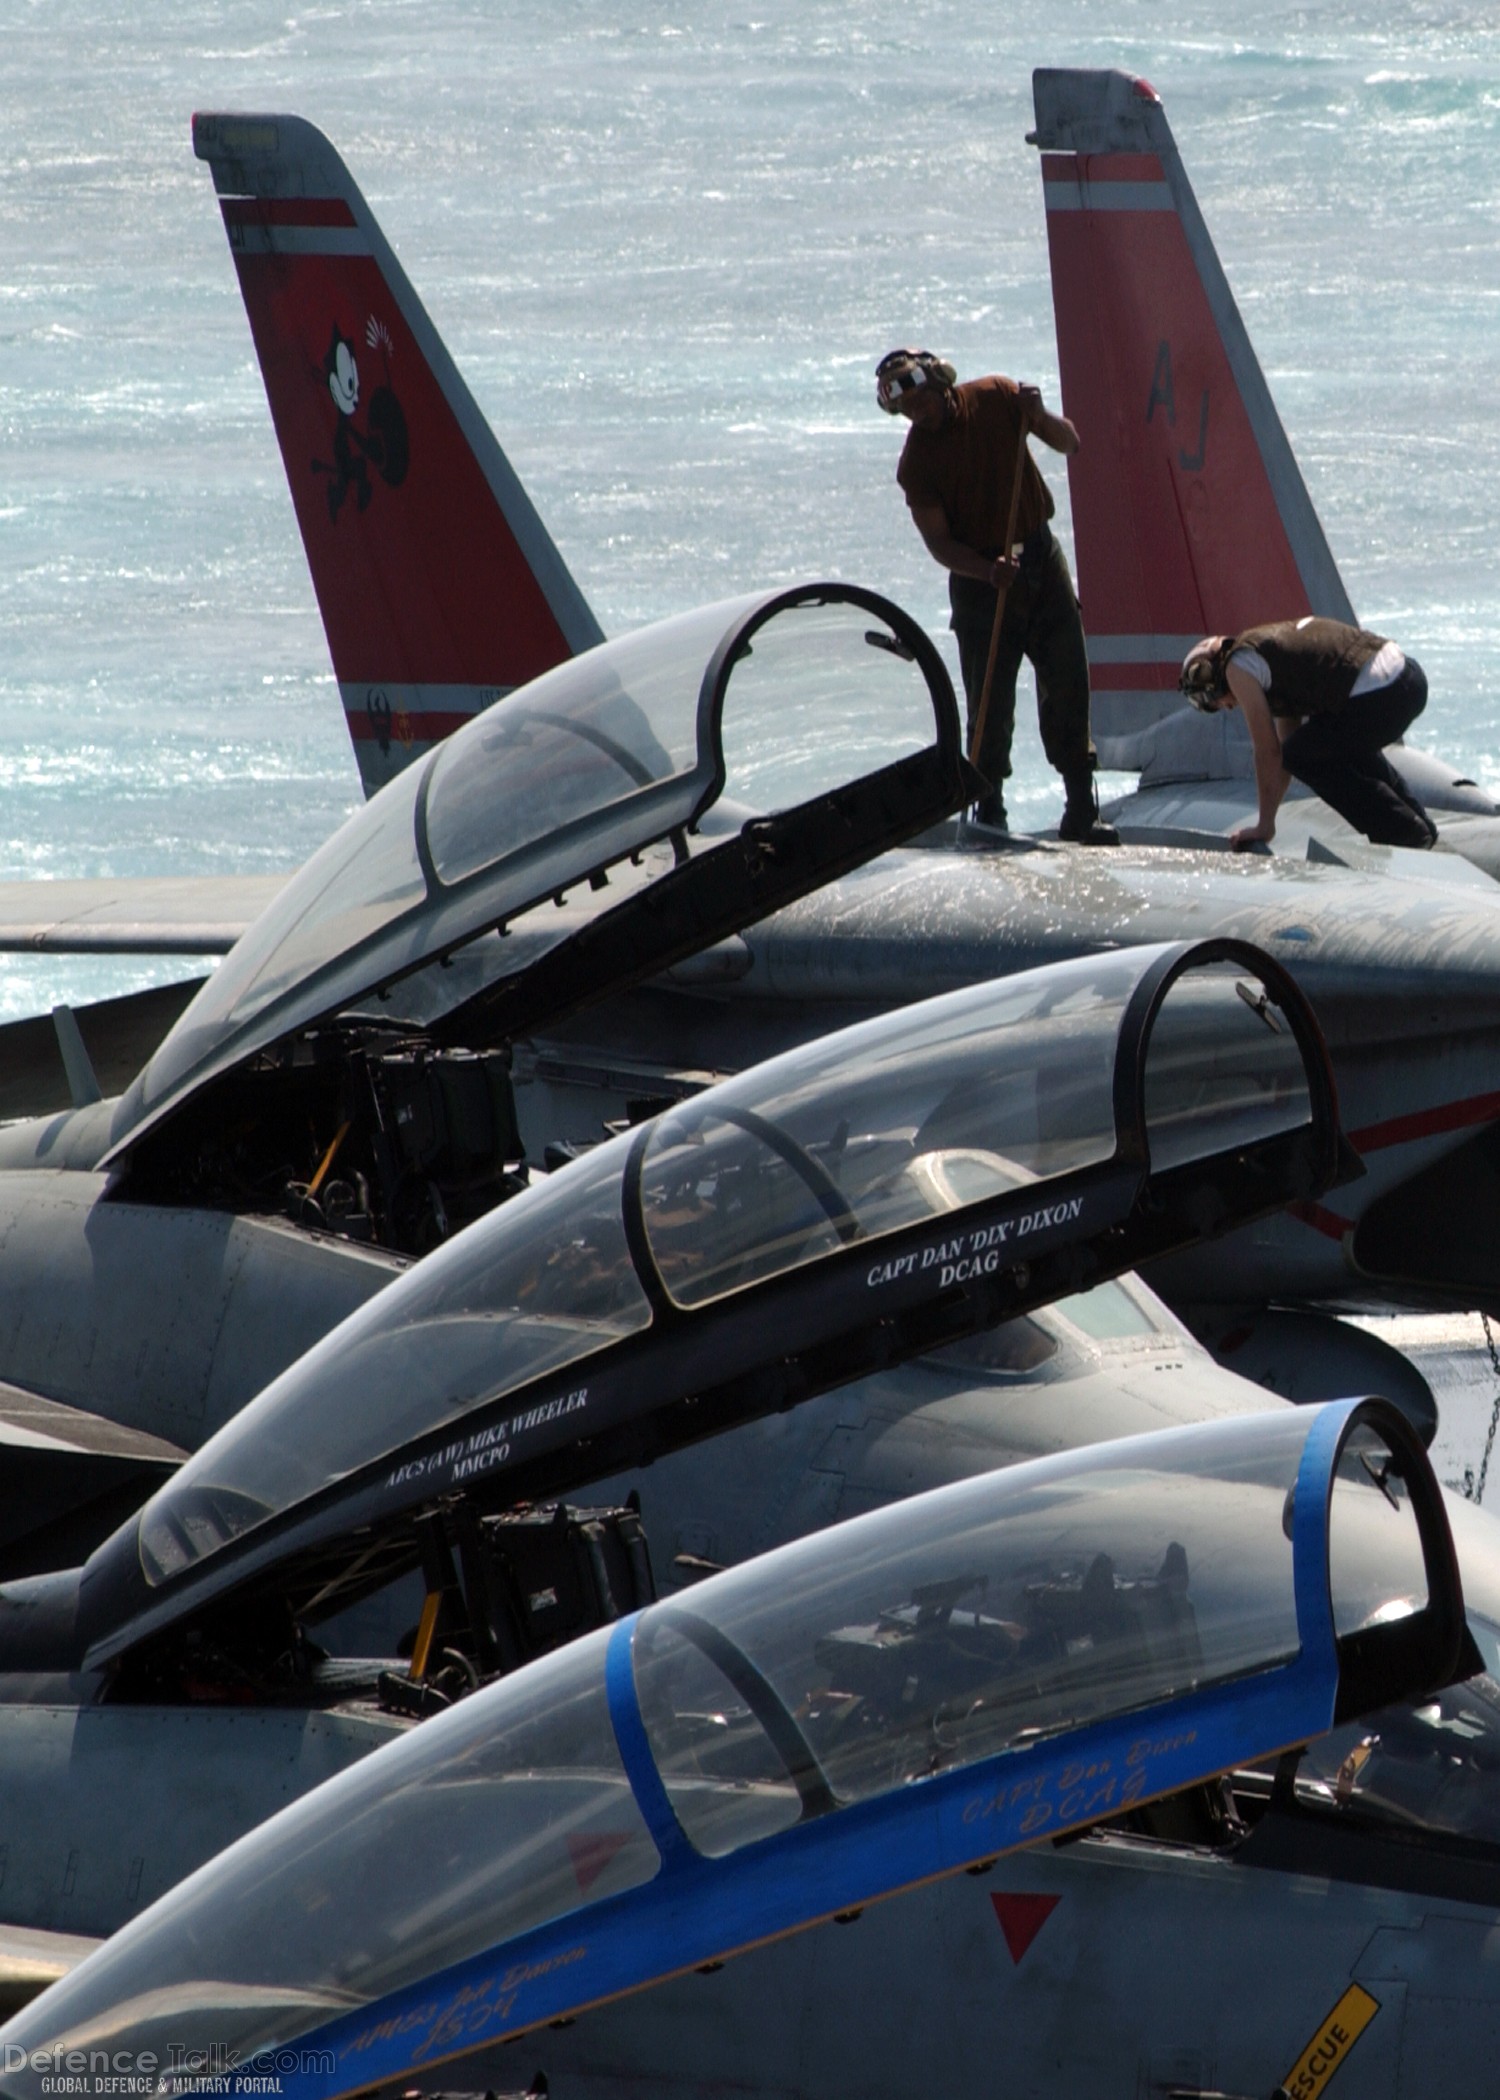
1190, 516
439, 587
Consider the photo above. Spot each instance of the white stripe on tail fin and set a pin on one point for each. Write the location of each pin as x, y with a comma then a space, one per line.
1190, 516
439, 587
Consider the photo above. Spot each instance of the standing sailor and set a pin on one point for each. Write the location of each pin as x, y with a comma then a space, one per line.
970, 481
1320, 699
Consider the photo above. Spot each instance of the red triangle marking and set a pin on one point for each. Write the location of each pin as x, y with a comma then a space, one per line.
591, 1854
1022, 1918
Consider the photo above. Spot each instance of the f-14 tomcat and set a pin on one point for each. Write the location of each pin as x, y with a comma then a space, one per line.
410, 1024
414, 1020
877, 1195
909, 1695
896, 1188
1161, 1610
312, 262
1339, 1813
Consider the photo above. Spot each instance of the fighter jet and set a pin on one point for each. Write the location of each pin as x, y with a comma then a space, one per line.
911, 1694
894, 1189
904, 1637
1190, 514
377, 1059
340, 1095
312, 263
299, 1137
728, 964
205, 1648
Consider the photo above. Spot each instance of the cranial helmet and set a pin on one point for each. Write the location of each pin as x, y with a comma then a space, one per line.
899, 371
1202, 678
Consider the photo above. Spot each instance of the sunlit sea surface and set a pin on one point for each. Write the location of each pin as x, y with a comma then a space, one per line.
666, 246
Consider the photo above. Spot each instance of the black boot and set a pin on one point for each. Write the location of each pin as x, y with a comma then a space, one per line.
1081, 824
988, 815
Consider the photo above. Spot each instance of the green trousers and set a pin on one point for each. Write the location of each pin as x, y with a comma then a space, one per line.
1042, 623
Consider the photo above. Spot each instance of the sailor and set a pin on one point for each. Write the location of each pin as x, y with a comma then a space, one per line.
1320, 699
966, 473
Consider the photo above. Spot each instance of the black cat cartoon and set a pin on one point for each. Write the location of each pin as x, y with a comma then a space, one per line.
383, 443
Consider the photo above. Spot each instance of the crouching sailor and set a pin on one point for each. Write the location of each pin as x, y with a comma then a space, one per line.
1320, 700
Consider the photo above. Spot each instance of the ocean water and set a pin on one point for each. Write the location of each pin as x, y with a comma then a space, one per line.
666, 245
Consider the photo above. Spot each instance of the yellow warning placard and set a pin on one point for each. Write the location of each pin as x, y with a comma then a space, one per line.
1326, 2051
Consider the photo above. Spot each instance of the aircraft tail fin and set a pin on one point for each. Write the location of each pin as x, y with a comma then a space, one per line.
439, 586
1190, 516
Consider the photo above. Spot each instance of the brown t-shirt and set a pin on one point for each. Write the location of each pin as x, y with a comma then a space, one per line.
968, 467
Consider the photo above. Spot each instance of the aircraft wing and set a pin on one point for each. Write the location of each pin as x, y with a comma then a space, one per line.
132, 915
904, 1696
67, 1478
31, 1959
202, 915
118, 1035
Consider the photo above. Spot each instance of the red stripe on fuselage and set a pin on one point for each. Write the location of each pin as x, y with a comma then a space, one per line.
1328, 1222
1401, 1130
286, 211
1427, 1122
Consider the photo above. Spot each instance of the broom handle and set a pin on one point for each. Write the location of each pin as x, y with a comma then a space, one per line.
1010, 539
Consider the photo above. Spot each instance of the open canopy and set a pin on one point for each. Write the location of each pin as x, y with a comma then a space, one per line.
853, 1202
898, 1697
694, 775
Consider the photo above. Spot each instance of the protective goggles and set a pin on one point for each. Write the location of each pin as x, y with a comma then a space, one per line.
903, 371
1202, 679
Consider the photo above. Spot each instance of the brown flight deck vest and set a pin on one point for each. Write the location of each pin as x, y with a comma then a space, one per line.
969, 465
1313, 663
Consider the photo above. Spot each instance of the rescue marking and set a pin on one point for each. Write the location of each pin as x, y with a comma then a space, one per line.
590, 1854
1326, 2051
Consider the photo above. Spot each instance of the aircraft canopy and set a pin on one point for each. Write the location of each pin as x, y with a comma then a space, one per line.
811, 727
